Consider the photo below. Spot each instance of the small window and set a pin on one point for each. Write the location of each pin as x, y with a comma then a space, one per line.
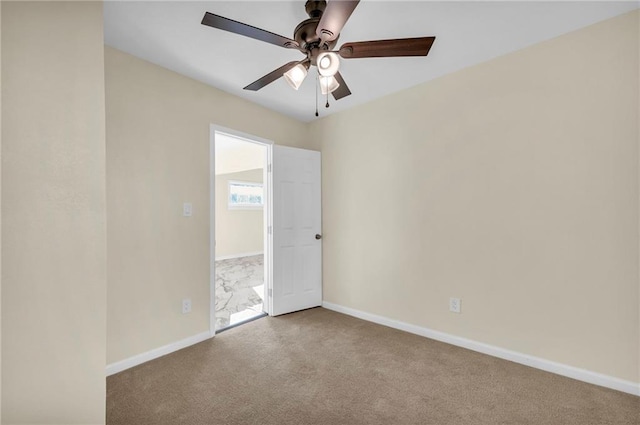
245, 195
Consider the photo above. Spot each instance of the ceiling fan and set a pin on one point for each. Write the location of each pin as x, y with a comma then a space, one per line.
315, 38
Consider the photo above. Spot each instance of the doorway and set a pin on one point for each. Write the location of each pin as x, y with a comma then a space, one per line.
241, 249
286, 276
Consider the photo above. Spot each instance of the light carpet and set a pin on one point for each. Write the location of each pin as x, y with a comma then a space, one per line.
321, 367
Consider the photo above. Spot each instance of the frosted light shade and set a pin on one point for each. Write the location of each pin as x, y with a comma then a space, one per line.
295, 76
328, 84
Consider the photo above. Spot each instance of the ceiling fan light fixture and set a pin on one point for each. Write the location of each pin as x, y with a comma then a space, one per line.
328, 84
314, 38
295, 76
328, 64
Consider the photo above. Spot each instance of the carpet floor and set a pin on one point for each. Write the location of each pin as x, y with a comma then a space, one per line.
322, 367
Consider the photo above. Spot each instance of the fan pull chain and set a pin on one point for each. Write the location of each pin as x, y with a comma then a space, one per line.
316, 97
327, 105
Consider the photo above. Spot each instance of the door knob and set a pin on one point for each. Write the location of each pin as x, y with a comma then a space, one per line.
318, 237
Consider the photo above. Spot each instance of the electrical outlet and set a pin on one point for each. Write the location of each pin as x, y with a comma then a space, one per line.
186, 305
455, 305
187, 209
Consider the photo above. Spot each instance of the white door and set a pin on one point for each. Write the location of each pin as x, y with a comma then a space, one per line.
297, 247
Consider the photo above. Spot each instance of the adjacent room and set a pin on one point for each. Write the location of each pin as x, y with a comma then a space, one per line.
240, 227
320, 212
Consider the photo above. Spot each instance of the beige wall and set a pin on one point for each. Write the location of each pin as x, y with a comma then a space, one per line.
53, 241
512, 185
158, 158
238, 231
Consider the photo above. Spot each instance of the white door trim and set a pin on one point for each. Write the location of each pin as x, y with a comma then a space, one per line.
213, 129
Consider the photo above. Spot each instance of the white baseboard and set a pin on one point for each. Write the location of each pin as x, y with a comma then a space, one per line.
116, 367
244, 254
516, 357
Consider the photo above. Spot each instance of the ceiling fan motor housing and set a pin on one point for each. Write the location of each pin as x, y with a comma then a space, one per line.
305, 33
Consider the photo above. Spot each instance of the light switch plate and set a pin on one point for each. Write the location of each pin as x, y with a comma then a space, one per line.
187, 209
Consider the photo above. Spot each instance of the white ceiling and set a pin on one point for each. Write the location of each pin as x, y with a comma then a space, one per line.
234, 155
169, 34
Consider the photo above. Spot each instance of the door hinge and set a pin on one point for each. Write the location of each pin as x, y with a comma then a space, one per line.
268, 168
270, 292
270, 230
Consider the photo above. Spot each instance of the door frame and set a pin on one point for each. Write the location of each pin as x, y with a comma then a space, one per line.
268, 218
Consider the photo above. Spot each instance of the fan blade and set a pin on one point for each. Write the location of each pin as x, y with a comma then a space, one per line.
236, 27
387, 48
342, 90
333, 18
271, 77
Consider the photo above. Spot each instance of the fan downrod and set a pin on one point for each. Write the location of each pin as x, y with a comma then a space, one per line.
315, 8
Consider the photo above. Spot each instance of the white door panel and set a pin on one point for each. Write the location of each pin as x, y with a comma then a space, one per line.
297, 254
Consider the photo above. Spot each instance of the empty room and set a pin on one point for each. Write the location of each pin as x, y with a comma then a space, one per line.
320, 212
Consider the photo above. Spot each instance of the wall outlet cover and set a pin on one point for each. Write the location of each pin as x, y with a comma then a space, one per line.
186, 305
455, 305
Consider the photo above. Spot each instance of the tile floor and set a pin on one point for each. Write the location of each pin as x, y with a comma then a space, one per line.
239, 289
